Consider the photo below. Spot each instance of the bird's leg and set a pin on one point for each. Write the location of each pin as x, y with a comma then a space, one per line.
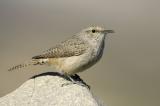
73, 81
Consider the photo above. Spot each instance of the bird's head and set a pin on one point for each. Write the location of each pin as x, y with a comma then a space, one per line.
95, 32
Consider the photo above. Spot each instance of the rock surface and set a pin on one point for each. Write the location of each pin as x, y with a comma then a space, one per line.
46, 90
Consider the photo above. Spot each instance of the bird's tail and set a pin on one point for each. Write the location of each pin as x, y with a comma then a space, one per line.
32, 62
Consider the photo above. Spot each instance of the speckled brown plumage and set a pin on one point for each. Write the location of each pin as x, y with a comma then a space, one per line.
71, 47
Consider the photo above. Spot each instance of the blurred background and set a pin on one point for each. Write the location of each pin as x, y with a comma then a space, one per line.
129, 72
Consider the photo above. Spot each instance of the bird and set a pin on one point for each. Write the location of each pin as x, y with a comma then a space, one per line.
74, 55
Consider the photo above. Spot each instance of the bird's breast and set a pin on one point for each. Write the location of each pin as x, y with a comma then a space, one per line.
98, 51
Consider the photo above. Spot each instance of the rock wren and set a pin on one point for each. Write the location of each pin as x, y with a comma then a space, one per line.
75, 54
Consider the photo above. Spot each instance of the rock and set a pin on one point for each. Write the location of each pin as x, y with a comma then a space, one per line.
46, 90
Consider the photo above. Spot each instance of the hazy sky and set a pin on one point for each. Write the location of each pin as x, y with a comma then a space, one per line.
129, 72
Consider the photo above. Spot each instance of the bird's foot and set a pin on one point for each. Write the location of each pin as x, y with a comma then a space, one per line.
73, 81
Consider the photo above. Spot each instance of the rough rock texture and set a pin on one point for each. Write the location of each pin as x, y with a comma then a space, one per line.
46, 90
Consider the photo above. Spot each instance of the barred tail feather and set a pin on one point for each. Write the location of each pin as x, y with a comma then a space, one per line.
25, 64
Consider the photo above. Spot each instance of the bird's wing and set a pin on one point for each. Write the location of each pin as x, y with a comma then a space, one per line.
71, 47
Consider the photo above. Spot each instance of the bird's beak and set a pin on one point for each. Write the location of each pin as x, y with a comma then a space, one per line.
108, 31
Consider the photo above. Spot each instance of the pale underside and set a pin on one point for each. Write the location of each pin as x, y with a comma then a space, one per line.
70, 65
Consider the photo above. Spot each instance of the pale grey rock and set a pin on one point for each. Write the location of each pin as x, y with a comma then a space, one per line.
47, 90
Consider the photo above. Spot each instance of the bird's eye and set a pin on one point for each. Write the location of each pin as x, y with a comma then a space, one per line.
93, 30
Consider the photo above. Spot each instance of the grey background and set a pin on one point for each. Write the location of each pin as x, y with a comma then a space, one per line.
127, 75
